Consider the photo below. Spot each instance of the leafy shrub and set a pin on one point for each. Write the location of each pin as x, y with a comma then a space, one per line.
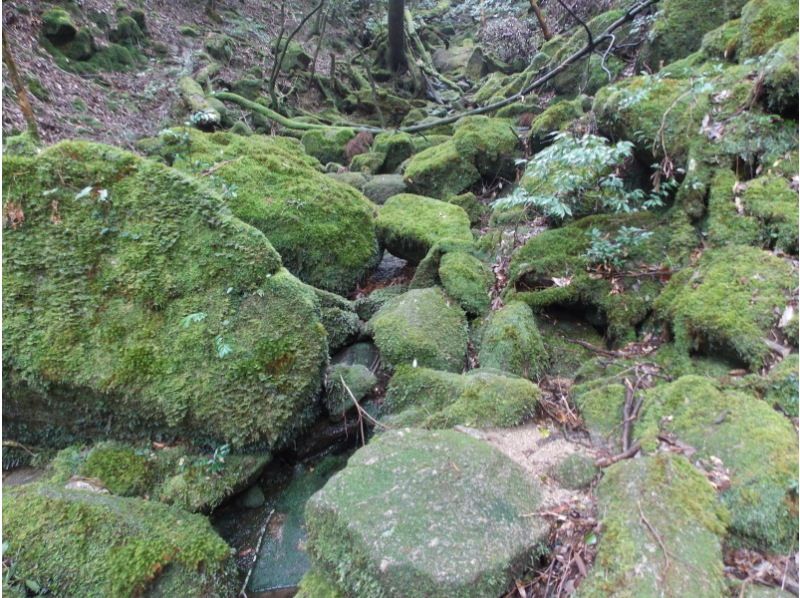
576, 176
612, 253
508, 38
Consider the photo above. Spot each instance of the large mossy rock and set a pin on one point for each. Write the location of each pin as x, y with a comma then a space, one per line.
134, 302
490, 143
409, 225
728, 303
396, 149
421, 326
679, 28
440, 171
322, 229
480, 399
83, 543
781, 77
467, 280
648, 506
327, 145
511, 342
765, 23
425, 514
755, 443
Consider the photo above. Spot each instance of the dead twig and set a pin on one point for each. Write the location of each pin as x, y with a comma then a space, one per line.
657, 537
262, 533
608, 461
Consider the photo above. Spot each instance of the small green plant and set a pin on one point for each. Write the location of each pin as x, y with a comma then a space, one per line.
612, 253
577, 176
216, 463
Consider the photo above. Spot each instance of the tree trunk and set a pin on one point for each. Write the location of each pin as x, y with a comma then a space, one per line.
542, 22
19, 88
397, 38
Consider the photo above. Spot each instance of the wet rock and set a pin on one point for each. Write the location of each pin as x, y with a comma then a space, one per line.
344, 380
440, 171
252, 498
383, 186
511, 342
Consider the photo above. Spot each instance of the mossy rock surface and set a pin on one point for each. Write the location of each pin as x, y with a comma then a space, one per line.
327, 145
489, 143
440, 171
410, 225
725, 226
728, 302
423, 326
781, 77
381, 187
663, 495
771, 200
722, 43
323, 229
368, 306
765, 23
755, 443
576, 471
358, 379
511, 342
57, 26
479, 399
396, 147
467, 280
81, 543
149, 301
317, 585
425, 514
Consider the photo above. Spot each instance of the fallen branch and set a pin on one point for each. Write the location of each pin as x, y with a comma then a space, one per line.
243, 592
657, 537
608, 461
594, 349
361, 410
19, 445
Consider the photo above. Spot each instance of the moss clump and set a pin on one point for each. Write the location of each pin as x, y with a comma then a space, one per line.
339, 318
20, 145
781, 77
725, 226
368, 306
511, 342
388, 525
765, 23
721, 43
409, 225
127, 32
680, 27
149, 301
479, 399
421, 326
358, 378
121, 469
383, 186
782, 389
489, 143
575, 472
367, 163
555, 118
757, 445
396, 148
427, 272
219, 46
323, 229
467, 280
327, 145
727, 303
470, 204
772, 202
317, 585
601, 406
57, 26
663, 495
76, 542
440, 171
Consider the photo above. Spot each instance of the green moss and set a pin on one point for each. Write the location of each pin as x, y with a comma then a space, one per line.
757, 445
57, 26
575, 472
765, 23
219, 46
327, 145
358, 378
511, 342
556, 118
81, 543
150, 302
188, 31
368, 306
121, 469
725, 226
422, 326
127, 32
440, 171
721, 43
396, 147
727, 303
467, 280
470, 204
383, 186
489, 143
20, 145
772, 202
317, 585
409, 225
480, 399
323, 229
387, 525
781, 77
600, 406
367, 163
680, 27
663, 495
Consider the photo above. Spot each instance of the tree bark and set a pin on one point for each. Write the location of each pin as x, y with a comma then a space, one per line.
21, 91
397, 38
542, 22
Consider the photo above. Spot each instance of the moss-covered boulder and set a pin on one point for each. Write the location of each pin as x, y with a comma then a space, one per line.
322, 229
428, 398
82, 543
511, 342
467, 280
219, 46
648, 506
765, 23
61, 36
440, 171
425, 514
771, 200
728, 302
327, 145
722, 43
421, 326
679, 28
781, 77
356, 378
368, 306
409, 225
755, 443
396, 149
557, 117
381, 187
490, 143
339, 318
129, 290
317, 585
575, 471
725, 225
